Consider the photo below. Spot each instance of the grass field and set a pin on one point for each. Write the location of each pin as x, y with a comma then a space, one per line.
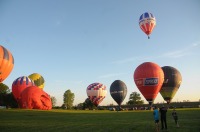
93, 121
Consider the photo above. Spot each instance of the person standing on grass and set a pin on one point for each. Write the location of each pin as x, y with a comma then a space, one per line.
156, 118
163, 112
175, 116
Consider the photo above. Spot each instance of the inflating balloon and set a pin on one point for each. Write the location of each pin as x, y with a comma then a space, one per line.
96, 92
35, 98
147, 23
149, 78
171, 83
118, 91
19, 85
6, 63
37, 79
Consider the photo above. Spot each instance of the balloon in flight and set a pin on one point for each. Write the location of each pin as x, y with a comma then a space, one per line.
171, 83
96, 92
6, 63
19, 85
118, 91
37, 79
149, 78
35, 98
147, 23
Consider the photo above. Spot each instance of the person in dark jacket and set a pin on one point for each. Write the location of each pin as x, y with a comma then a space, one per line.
175, 116
163, 112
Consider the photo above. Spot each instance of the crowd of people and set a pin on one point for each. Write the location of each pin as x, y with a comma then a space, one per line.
162, 114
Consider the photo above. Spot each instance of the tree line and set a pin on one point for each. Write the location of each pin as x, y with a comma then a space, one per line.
7, 99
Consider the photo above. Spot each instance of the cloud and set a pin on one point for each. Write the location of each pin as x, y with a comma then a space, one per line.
175, 54
131, 59
172, 54
110, 75
196, 44
73, 82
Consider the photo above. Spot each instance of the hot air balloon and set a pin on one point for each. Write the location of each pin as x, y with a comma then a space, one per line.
96, 92
118, 91
149, 78
147, 23
35, 98
6, 63
37, 79
171, 83
19, 85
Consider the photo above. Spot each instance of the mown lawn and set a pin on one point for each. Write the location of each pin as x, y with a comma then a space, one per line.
93, 121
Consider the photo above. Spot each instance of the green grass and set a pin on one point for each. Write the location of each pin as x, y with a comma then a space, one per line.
98, 121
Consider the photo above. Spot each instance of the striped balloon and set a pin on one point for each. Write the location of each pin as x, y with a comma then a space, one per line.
147, 23
6, 63
19, 85
96, 92
37, 79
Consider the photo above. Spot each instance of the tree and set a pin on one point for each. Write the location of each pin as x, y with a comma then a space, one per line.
53, 101
135, 99
4, 89
88, 104
68, 99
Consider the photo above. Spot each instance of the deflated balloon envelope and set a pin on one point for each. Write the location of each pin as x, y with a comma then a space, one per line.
118, 91
171, 83
35, 98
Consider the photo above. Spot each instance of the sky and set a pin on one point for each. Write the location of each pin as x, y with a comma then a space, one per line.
73, 43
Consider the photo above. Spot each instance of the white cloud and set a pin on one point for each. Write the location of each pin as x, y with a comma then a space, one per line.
110, 75
172, 54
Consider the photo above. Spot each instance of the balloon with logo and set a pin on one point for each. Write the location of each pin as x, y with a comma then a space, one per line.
171, 83
118, 91
18, 87
149, 78
96, 92
35, 98
37, 79
147, 23
6, 63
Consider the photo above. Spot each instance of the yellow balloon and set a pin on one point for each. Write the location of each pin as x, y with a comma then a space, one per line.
37, 79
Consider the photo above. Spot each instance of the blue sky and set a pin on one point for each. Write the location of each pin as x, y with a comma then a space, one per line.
73, 43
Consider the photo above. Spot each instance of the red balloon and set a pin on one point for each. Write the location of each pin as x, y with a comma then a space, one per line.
19, 85
149, 78
35, 98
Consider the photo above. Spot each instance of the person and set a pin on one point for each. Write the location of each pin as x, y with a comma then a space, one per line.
156, 118
163, 112
175, 116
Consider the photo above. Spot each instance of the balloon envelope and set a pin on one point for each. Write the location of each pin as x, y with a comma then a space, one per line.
147, 22
118, 91
171, 83
35, 98
19, 85
149, 78
37, 79
96, 92
6, 63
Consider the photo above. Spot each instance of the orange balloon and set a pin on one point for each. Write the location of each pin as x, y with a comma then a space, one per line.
149, 78
35, 98
6, 63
